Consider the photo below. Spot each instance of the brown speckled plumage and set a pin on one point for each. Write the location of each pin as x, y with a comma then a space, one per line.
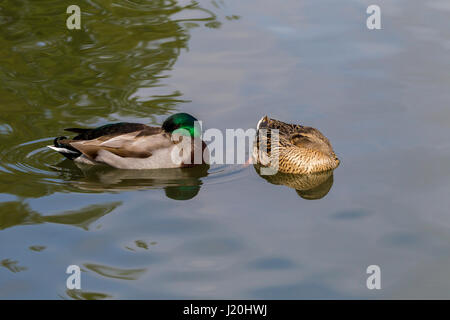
299, 150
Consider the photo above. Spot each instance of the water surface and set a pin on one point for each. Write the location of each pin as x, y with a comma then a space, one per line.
224, 232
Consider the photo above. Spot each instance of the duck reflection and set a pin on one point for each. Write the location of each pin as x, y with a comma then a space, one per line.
178, 183
308, 186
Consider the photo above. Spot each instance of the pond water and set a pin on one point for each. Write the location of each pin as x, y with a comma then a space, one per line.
380, 96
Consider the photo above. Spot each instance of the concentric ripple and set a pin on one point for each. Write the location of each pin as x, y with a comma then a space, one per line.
31, 157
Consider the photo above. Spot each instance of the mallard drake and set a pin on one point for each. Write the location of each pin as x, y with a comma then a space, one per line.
127, 145
300, 149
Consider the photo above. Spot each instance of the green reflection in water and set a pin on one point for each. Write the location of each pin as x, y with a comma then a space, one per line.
113, 272
84, 295
12, 265
37, 248
178, 183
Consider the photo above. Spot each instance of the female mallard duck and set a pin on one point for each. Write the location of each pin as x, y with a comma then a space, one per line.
127, 145
300, 149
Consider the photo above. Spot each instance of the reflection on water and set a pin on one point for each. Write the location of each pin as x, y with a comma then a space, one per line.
84, 295
112, 69
17, 213
37, 248
179, 183
308, 186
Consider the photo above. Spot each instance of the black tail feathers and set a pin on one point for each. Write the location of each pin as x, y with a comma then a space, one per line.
66, 149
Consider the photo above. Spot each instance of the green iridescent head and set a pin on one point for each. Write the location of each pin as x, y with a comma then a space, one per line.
183, 121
